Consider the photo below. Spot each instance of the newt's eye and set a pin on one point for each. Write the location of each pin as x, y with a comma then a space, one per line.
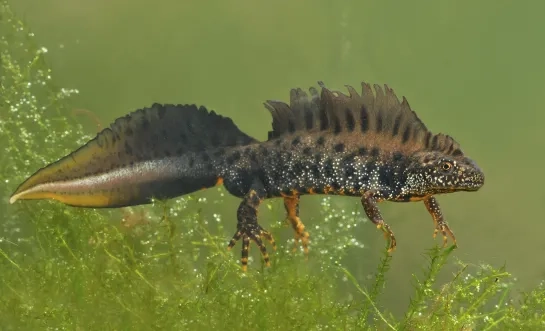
446, 166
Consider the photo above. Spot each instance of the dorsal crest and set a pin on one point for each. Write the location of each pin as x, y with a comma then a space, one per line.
380, 113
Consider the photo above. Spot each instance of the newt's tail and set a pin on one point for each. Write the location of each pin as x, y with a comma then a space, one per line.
159, 152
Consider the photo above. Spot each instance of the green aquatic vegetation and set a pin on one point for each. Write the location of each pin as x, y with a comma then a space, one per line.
168, 268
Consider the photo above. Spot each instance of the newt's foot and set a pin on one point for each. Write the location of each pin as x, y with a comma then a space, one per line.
291, 203
388, 235
300, 234
446, 231
252, 232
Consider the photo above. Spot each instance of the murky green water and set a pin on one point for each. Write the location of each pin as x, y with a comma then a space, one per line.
471, 69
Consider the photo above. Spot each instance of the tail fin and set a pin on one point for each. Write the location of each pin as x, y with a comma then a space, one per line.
157, 152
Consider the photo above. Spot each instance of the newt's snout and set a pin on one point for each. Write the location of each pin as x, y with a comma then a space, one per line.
472, 177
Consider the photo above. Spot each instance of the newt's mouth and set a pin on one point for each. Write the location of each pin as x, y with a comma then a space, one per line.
472, 183
468, 184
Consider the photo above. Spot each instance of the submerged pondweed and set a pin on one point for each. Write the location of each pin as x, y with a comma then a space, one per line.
150, 268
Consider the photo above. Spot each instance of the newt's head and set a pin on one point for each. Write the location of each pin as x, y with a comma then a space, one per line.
433, 172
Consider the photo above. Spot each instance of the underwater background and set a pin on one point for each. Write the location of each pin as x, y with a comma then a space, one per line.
473, 70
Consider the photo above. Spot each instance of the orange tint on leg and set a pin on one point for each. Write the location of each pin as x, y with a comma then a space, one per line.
292, 208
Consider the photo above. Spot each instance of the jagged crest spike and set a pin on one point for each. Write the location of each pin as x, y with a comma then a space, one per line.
378, 112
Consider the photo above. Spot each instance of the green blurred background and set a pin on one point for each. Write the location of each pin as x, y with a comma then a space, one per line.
472, 69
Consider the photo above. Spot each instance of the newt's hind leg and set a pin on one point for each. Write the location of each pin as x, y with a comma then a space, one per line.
292, 209
440, 224
248, 229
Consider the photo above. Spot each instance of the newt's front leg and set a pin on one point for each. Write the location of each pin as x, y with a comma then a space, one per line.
249, 229
369, 201
292, 209
440, 224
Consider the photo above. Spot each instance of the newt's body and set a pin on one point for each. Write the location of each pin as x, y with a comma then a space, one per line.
370, 146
